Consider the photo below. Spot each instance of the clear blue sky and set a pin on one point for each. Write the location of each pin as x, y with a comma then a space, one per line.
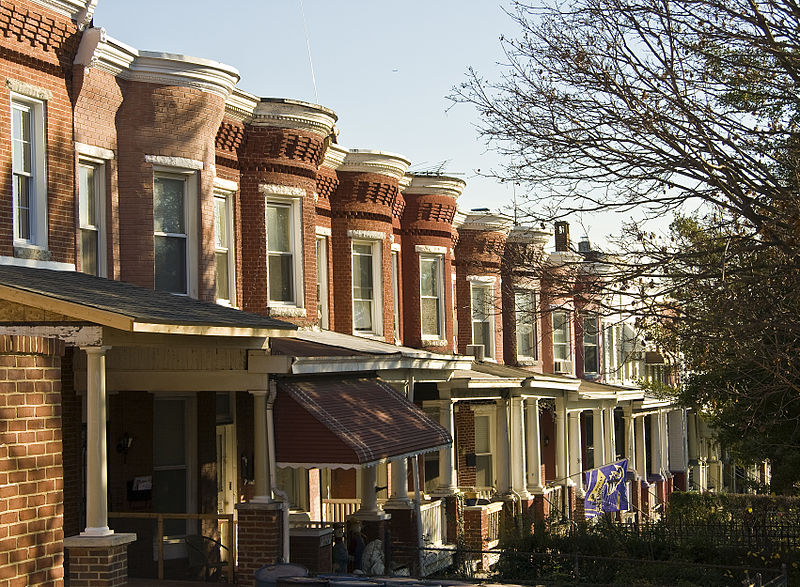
384, 67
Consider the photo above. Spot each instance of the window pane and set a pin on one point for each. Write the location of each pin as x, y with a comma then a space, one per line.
21, 184
483, 471
169, 423
223, 287
22, 140
590, 340
281, 282
169, 496
362, 249
170, 264
362, 277
482, 431
168, 205
362, 315
429, 277
87, 196
89, 251
430, 316
279, 228
590, 359
220, 223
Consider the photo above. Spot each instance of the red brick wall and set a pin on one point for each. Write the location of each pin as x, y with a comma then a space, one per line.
98, 566
37, 47
259, 538
31, 474
72, 441
465, 443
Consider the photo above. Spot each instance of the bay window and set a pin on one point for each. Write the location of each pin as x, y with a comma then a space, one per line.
223, 248
561, 342
280, 253
482, 316
431, 297
173, 201
525, 309
29, 179
591, 335
367, 306
91, 216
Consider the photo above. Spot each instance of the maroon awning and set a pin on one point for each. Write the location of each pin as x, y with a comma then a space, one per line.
349, 422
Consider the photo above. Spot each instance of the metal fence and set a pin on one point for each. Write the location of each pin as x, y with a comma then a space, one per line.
737, 533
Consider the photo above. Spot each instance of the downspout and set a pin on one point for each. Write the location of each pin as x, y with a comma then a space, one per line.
273, 392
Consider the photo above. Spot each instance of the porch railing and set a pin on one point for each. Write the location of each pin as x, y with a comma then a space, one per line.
225, 519
338, 510
434, 524
493, 511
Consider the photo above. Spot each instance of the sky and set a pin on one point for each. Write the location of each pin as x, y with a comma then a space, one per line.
384, 67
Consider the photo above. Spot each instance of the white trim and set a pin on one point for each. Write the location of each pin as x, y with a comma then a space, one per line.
99, 168
323, 231
438, 260
190, 196
430, 249
482, 278
92, 151
287, 311
396, 248
28, 90
274, 189
37, 186
166, 161
428, 341
377, 287
371, 235
225, 185
294, 203
378, 162
322, 278
227, 197
18, 262
80, 11
489, 353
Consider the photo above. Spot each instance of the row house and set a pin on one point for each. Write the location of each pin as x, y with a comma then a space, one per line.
213, 310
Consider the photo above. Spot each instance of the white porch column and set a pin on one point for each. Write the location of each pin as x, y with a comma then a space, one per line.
533, 446
562, 468
575, 450
96, 459
261, 454
503, 473
399, 482
630, 439
598, 438
655, 443
518, 473
369, 497
447, 456
610, 434
664, 427
641, 454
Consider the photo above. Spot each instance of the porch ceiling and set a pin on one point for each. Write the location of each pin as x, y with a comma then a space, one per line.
347, 422
123, 306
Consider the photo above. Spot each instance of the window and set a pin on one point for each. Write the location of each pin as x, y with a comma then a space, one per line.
591, 356
484, 476
223, 249
525, 308
396, 294
431, 297
561, 342
322, 282
482, 330
28, 169
280, 256
91, 212
455, 311
367, 310
171, 203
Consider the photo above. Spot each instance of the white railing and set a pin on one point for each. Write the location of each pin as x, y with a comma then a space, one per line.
434, 522
493, 511
338, 510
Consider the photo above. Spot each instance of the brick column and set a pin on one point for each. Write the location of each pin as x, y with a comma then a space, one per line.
259, 538
476, 531
98, 561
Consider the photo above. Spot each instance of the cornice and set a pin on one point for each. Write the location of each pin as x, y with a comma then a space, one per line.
294, 114
380, 162
436, 185
486, 221
334, 156
123, 61
529, 234
458, 219
241, 104
80, 11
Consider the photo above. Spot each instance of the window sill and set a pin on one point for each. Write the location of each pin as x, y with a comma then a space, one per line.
370, 335
24, 250
527, 361
36, 263
437, 342
287, 311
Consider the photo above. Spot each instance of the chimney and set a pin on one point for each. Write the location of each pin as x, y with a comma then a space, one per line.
562, 236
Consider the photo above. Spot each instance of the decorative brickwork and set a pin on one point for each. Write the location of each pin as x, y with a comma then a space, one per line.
31, 474
260, 538
98, 566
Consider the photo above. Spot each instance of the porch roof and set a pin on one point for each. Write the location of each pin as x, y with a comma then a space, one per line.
347, 422
128, 307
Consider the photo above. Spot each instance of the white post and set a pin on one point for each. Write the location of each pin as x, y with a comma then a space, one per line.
562, 469
96, 459
575, 456
518, 475
261, 466
655, 443
663, 418
598, 438
503, 450
641, 454
610, 434
369, 497
630, 439
399, 497
447, 462
534, 450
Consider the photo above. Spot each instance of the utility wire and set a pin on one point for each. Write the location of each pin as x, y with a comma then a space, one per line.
308, 46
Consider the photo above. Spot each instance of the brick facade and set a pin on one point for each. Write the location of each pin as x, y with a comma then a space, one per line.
260, 538
31, 475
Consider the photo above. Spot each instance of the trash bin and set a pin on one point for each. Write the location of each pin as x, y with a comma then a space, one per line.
268, 575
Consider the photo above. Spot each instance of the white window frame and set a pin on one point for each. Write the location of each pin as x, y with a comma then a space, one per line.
454, 308
190, 179
99, 166
597, 338
296, 243
377, 286
489, 353
529, 320
439, 268
323, 306
568, 343
227, 196
395, 255
37, 187
489, 411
